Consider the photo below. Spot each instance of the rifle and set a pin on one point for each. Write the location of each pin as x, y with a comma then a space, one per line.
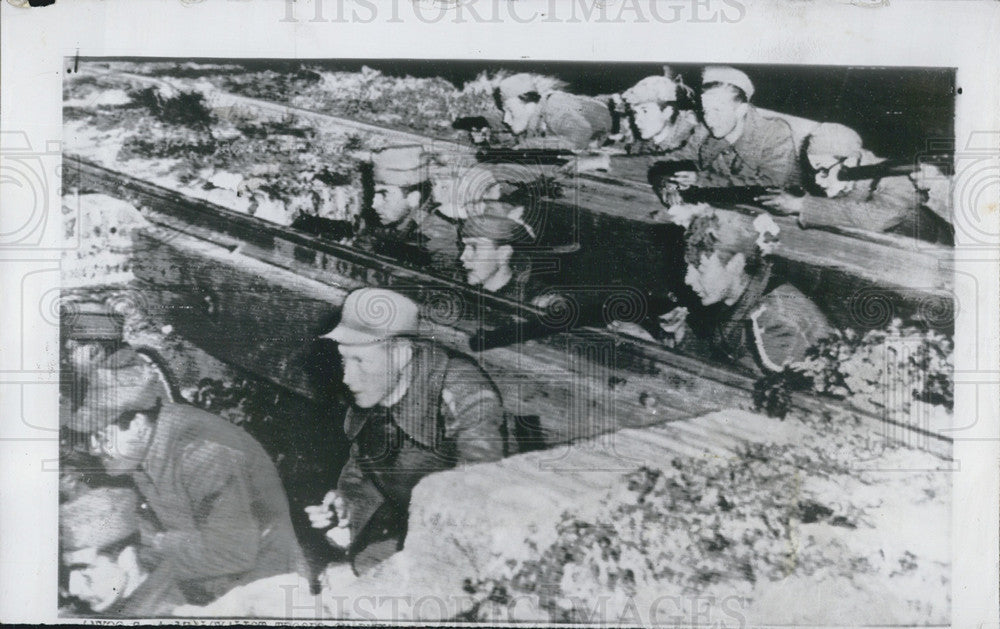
659, 177
545, 157
899, 167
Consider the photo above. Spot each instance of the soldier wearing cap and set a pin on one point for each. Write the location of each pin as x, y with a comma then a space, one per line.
883, 204
541, 115
99, 537
759, 322
492, 250
743, 148
662, 112
418, 408
212, 488
406, 208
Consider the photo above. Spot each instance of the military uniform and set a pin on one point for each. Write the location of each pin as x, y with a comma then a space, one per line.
889, 204
99, 519
567, 121
218, 497
450, 414
764, 155
764, 331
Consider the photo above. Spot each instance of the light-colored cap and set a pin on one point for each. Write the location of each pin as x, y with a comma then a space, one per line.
403, 165
831, 138
498, 221
98, 518
373, 315
121, 383
729, 76
652, 89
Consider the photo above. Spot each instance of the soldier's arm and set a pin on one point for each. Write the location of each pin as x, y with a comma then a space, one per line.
777, 159
360, 494
877, 211
226, 538
473, 413
569, 126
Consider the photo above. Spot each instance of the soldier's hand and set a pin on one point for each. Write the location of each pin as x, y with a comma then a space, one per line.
482, 135
780, 202
332, 510
685, 179
674, 323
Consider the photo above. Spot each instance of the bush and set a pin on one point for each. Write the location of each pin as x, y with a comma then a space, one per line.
696, 524
880, 370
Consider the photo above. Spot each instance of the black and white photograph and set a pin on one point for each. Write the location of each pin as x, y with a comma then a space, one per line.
650, 341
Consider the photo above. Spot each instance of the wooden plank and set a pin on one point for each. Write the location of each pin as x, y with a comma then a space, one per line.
265, 319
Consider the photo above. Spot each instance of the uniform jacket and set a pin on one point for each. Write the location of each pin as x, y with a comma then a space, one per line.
890, 204
451, 413
219, 500
764, 155
765, 331
568, 121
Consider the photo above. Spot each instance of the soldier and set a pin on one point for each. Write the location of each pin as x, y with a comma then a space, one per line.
406, 208
662, 111
99, 535
418, 408
541, 115
212, 488
743, 148
883, 204
492, 255
762, 324
750, 319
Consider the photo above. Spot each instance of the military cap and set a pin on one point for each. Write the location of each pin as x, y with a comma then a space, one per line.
831, 138
91, 321
728, 76
403, 165
652, 89
498, 221
373, 315
121, 383
98, 518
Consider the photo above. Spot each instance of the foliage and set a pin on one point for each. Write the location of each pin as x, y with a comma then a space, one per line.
370, 95
879, 370
695, 524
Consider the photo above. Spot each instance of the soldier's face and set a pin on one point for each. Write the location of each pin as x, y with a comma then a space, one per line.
121, 450
390, 203
649, 119
371, 372
721, 111
96, 579
517, 114
482, 259
826, 169
714, 280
